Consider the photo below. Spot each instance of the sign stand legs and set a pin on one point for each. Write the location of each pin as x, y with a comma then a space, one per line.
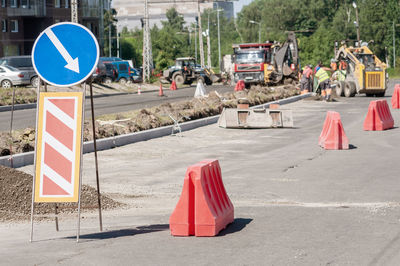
80, 172
95, 155
34, 172
11, 127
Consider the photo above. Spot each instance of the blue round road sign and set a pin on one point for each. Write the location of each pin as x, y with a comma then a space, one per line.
65, 54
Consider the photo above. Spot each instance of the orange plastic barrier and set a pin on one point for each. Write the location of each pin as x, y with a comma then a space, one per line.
204, 208
396, 97
333, 136
161, 92
239, 85
378, 116
173, 86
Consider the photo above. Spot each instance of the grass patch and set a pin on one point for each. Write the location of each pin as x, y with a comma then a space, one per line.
22, 95
394, 73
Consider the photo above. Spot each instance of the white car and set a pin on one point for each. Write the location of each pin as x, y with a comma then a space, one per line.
11, 76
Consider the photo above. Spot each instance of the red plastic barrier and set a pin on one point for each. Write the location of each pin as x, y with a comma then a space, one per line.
239, 85
333, 136
204, 208
378, 116
173, 86
396, 97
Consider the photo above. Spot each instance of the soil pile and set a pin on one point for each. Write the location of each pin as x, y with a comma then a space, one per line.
16, 197
138, 120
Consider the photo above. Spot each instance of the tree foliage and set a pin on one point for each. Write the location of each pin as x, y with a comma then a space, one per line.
317, 23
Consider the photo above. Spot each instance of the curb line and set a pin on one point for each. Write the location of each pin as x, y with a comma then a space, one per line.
27, 158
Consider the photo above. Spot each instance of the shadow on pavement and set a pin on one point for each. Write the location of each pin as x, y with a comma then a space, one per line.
125, 232
237, 225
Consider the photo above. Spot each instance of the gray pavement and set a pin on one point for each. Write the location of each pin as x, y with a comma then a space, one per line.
112, 104
295, 203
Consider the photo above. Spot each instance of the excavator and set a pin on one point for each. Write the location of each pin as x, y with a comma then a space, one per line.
365, 73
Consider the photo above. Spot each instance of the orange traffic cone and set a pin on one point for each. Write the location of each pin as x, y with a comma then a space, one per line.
139, 91
161, 92
173, 86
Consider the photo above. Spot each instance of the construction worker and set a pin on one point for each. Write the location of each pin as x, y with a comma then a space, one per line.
306, 79
333, 65
324, 82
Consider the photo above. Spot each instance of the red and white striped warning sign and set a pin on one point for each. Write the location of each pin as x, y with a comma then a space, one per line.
58, 147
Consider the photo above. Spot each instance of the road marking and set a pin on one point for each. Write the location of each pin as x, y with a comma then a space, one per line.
72, 64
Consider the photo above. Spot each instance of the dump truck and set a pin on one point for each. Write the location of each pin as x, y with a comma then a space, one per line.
266, 63
365, 73
186, 71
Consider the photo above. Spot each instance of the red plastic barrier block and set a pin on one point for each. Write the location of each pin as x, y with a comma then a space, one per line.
173, 86
325, 127
378, 117
204, 208
333, 136
239, 85
396, 97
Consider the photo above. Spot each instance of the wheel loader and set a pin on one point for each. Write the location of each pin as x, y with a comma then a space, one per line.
365, 73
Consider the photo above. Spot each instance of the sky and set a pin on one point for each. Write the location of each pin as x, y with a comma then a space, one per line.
237, 5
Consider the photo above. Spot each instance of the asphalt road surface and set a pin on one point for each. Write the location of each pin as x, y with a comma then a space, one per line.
111, 104
295, 203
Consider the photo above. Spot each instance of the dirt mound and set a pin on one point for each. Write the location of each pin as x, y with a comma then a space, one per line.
16, 197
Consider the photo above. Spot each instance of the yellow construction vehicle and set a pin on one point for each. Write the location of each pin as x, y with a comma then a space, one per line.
365, 73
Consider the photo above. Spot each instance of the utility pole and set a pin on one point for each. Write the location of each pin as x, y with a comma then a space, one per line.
147, 53
219, 39
200, 35
101, 26
394, 46
118, 48
74, 11
109, 39
208, 43
109, 33
357, 24
195, 42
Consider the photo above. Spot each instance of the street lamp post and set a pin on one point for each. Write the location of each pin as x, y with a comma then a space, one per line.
219, 39
259, 29
357, 24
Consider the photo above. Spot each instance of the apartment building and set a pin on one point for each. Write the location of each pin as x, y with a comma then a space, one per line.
129, 12
23, 20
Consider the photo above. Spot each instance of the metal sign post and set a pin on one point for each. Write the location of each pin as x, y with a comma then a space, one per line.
95, 155
64, 55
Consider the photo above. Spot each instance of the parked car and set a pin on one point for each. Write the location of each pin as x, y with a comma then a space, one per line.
136, 75
23, 63
11, 76
123, 71
109, 59
111, 73
100, 72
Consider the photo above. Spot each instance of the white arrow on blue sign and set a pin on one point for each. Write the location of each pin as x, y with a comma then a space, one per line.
65, 54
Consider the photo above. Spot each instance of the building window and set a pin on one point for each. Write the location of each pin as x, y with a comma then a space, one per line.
14, 25
3, 3
14, 3
25, 3
66, 4
57, 3
4, 25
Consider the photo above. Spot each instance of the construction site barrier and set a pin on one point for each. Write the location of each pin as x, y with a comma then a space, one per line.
239, 85
396, 97
333, 136
204, 208
255, 118
378, 117
173, 86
